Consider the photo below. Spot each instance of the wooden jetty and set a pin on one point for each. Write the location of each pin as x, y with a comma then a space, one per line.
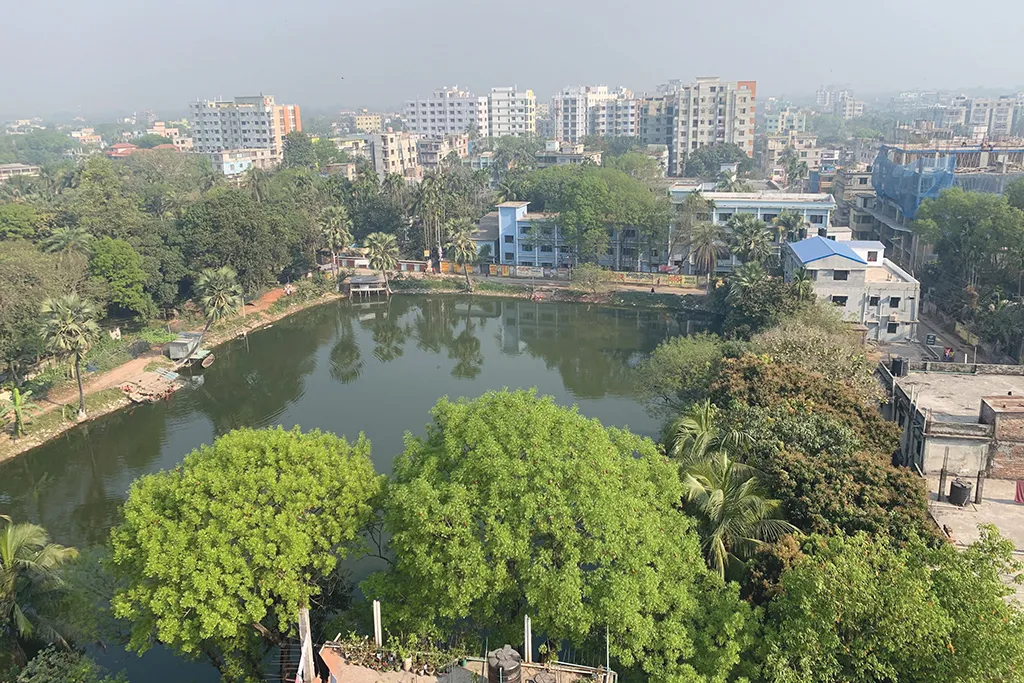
152, 386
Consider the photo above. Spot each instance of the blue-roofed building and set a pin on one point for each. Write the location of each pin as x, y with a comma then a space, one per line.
856, 277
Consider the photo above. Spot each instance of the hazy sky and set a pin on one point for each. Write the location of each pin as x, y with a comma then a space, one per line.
121, 55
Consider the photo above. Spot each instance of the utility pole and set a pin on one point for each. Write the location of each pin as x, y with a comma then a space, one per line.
306, 660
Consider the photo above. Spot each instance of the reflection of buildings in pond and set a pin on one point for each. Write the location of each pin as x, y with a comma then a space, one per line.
593, 328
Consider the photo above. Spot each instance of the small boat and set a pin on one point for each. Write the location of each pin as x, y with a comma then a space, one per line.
208, 361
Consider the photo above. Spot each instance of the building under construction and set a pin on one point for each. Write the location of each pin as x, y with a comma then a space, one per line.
903, 176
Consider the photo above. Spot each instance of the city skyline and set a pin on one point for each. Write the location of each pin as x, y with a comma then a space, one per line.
327, 56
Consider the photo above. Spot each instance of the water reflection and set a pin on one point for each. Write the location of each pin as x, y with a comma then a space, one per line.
375, 367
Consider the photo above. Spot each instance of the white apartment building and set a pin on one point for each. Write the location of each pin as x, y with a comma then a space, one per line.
993, 116
448, 111
849, 108
244, 123
706, 112
594, 110
395, 153
511, 112
785, 121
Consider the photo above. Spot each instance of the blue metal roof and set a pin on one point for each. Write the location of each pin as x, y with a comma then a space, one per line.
817, 247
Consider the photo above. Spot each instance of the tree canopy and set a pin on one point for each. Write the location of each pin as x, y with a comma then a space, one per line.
706, 161
512, 505
856, 608
218, 554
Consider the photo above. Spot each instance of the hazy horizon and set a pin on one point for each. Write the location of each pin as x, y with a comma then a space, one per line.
110, 56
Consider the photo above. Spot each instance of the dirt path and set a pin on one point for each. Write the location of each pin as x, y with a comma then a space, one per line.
254, 315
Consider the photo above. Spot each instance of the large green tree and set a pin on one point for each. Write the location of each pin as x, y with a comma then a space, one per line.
19, 221
219, 554
227, 227
119, 266
513, 506
299, 151
857, 609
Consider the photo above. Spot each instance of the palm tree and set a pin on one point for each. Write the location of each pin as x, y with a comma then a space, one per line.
69, 329
257, 181
706, 242
19, 405
337, 231
733, 513
68, 239
744, 280
382, 252
802, 283
749, 238
787, 225
464, 248
696, 433
219, 296
30, 585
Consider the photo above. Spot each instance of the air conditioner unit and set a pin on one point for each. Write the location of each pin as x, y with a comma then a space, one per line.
894, 317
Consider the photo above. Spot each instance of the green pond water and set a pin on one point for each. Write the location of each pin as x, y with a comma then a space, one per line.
375, 367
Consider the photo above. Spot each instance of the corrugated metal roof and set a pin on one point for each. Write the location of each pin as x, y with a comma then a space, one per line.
816, 248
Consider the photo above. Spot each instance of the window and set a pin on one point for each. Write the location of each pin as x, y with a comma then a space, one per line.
894, 302
891, 328
509, 256
546, 248
509, 239
862, 181
524, 229
841, 275
873, 300
817, 220
526, 247
839, 300
872, 257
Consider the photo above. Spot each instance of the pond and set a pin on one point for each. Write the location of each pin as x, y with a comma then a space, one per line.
374, 367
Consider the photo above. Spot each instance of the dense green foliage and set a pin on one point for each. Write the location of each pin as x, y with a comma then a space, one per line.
36, 147
513, 506
855, 608
220, 553
707, 160
54, 665
119, 267
978, 240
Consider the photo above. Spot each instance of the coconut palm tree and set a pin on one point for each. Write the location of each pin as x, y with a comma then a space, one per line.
463, 248
706, 243
336, 225
733, 513
697, 433
18, 406
744, 280
382, 252
69, 329
802, 283
257, 181
219, 295
30, 585
788, 225
68, 239
749, 238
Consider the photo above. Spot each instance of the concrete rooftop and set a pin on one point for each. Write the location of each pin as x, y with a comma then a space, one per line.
957, 398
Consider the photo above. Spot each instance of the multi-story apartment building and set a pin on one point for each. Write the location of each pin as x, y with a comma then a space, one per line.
850, 186
593, 110
616, 117
511, 112
448, 111
787, 120
244, 123
992, 116
706, 112
180, 142
804, 145
367, 122
857, 278
848, 108
234, 162
433, 150
395, 153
